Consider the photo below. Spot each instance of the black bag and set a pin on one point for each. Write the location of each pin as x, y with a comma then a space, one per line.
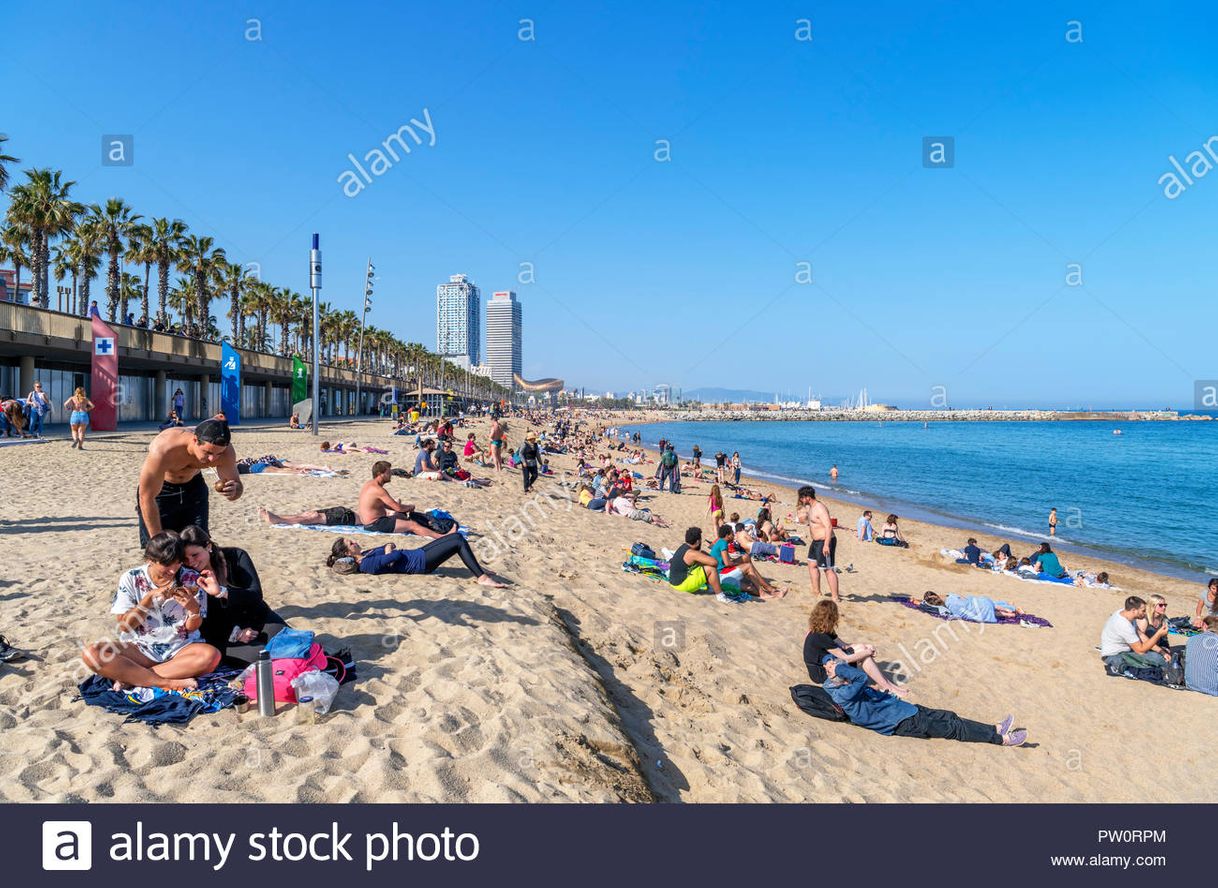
817, 703
642, 550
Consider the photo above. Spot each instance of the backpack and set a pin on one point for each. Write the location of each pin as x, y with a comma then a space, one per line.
817, 703
642, 550
284, 670
670, 458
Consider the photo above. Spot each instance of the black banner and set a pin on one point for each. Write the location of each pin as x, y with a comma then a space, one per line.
453, 845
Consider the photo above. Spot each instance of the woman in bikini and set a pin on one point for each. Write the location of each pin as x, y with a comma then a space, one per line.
78, 407
714, 508
498, 439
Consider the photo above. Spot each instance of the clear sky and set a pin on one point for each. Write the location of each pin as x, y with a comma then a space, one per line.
684, 270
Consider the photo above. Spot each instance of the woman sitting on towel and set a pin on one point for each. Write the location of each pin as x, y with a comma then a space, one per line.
975, 608
1046, 562
1149, 625
160, 607
238, 620
348, 557
822, 645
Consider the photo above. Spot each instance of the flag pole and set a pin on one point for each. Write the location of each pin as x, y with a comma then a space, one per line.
315, 286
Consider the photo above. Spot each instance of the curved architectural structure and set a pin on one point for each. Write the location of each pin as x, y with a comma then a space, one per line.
549, 384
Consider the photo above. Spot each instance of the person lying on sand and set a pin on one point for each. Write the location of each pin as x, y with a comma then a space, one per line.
627, 506
822, 644
975, 608
348, 557
891, 716
274, 465
160, 608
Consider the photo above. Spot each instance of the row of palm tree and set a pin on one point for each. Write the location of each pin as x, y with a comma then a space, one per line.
52, 235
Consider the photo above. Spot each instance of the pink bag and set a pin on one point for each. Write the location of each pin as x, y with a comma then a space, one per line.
284, 671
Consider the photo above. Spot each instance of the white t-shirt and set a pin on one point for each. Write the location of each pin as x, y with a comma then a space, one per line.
163, 632
1118, 636
623, 506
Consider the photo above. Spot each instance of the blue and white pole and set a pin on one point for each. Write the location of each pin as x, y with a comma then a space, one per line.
315, 286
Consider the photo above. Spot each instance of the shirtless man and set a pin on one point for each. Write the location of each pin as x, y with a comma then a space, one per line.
172, 494
381, 513
813, 513
498, 436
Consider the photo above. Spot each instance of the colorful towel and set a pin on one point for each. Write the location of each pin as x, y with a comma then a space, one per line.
1023, 620
154, 706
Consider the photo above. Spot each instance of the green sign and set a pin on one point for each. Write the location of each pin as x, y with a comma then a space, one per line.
300, 380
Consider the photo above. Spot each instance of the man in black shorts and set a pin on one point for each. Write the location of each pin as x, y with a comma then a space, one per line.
824, 543
333, 516
172, 494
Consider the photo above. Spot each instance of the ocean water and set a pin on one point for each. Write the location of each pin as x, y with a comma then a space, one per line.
1142, 497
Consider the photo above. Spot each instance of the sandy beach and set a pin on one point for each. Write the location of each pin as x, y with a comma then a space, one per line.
556, 688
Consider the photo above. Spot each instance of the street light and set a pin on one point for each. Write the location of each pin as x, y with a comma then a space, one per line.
359, 352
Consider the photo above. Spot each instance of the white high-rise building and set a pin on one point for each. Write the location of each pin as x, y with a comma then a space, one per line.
503, 337
459, 321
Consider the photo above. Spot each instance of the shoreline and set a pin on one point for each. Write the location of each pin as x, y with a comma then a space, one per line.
918, 514
896, 415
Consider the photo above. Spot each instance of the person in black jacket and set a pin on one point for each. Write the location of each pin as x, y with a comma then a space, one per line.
530, 456
239, 623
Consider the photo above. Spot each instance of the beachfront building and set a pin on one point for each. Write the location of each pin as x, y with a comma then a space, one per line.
458, 321
9, 289
503, 337
56, 349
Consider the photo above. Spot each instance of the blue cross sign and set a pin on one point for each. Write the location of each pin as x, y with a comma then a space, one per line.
103, 345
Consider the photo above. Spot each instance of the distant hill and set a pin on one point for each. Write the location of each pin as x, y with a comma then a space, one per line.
711, 395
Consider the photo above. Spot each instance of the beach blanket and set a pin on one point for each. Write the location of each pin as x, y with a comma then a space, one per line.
352, 529
941, 614
155, 706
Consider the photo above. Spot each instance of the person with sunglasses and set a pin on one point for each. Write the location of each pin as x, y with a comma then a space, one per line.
1152, 622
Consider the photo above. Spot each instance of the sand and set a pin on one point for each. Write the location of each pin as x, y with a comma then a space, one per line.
561, 687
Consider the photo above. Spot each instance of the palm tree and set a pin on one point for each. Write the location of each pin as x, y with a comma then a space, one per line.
42, 205
259, 298
129, 291
165, 244
235, 278
14, 244
140, 252
181, 299
5, 160
282, 312
201, 259
84, 245
116, 221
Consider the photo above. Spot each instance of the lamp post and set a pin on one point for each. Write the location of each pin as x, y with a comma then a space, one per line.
359, 352
315, 286
63, 294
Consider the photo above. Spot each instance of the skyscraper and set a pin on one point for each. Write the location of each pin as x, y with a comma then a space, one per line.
458, 321
503, 339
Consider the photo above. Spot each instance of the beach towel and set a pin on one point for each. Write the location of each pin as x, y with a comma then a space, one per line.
155, 706
351, 529
941, 613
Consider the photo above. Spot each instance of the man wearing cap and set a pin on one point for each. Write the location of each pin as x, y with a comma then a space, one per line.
172, 494
530, 456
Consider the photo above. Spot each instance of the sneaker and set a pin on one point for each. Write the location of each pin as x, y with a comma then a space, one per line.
1005, 727
1015, 738
726, 599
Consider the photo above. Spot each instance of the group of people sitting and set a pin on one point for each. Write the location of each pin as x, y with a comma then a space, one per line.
1134, 643
1042, 563
189, 607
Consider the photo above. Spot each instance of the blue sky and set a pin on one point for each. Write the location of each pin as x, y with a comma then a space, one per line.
782, 151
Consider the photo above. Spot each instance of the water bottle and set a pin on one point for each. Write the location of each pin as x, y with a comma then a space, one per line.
265, 682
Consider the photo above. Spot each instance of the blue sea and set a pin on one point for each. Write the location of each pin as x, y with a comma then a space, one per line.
1142, 497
